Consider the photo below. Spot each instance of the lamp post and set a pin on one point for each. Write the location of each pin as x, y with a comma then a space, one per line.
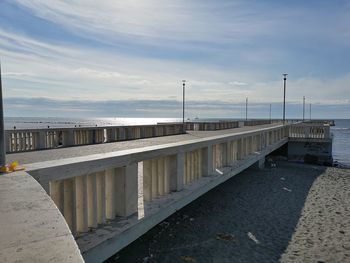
284, 96
270, 112
303, 108
183, 106
2, 130
246, 108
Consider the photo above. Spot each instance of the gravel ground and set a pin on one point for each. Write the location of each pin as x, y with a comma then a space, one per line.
291, 213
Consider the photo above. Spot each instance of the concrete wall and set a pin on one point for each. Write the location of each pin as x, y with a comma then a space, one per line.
314, 151
32, 228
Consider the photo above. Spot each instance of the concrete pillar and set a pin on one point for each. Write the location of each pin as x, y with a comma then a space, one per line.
147, 180
160, 174
327, 132
239, 149
101, 197
41, 140
166, 175
68, 138
177, 171
127, 190
68, 205
110, 193
57, 194
187, 169
92, 200
142, 132
224, 153
207, 161
200, 163
154, 178
81, 203
247, 146
196, 163
260, 164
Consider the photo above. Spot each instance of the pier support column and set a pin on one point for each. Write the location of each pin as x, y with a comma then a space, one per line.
239, 149
80, 201
126, 190
260, 164
207, 161
110, 193
177, 170
92, 200
147, 180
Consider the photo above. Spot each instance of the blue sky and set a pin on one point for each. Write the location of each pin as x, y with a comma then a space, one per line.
109, 59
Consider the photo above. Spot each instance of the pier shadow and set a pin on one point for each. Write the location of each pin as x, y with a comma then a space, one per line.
249, 218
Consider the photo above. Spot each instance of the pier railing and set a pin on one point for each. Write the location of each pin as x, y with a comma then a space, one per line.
93, 189
310, 131
22, 140
211, 126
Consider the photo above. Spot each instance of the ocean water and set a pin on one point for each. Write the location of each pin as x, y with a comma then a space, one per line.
341, 142
35, 122
341, 130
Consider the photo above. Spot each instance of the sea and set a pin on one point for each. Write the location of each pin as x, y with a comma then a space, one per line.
341, 130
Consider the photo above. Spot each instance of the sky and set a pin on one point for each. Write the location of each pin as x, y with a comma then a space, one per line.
75, 58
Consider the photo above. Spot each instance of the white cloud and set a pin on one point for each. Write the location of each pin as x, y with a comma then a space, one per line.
237, 83
34, 68
165, 23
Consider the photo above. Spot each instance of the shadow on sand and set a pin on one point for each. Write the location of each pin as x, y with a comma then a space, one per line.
250, 218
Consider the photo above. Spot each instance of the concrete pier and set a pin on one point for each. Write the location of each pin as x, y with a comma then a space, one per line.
110, 194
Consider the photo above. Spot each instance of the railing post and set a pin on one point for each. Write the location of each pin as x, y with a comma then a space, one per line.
68, 138
327, 134
41, 140
307, 132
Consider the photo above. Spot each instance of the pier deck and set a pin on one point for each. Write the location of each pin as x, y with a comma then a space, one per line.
77, 151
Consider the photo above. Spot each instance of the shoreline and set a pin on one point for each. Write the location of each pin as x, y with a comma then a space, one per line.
258, 216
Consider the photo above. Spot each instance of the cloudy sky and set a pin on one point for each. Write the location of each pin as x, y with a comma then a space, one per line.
127, 58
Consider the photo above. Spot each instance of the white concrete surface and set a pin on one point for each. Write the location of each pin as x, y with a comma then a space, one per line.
32, 228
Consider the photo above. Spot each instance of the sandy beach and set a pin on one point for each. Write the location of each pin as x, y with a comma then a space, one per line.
291, 213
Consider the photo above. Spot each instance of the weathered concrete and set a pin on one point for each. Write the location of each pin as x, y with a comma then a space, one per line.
32, 228
318, 149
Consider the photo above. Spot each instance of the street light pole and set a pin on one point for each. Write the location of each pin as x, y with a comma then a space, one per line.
284, 96
2, 130
303, 108
270, 113
246, 108
183, 106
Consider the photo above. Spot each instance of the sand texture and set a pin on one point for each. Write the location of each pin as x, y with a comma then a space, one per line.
291, 213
